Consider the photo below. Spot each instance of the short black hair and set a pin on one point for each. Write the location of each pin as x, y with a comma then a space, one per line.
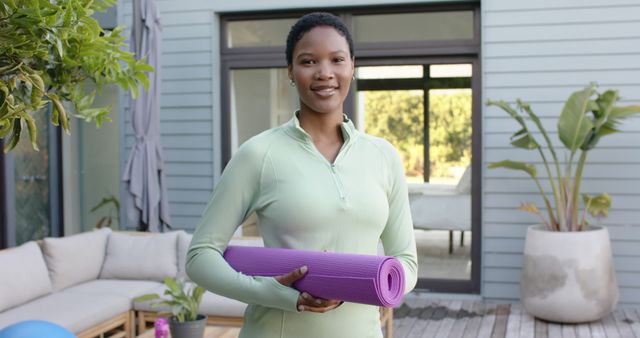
311, 21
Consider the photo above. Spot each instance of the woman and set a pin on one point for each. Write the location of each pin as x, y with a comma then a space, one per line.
316, 183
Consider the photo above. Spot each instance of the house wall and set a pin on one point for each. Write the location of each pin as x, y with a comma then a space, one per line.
190, 97
541, 51
538, 50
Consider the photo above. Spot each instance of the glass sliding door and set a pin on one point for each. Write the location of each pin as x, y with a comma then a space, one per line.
425, 111
32, 186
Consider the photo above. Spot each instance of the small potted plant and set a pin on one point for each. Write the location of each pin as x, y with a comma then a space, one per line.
567, 269
183, 302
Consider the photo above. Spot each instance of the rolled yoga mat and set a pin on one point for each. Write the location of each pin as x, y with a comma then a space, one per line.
367, 279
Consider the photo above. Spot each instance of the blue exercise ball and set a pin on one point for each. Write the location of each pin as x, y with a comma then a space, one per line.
35, 329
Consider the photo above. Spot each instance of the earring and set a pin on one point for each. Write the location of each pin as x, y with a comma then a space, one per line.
291, 83
354, 76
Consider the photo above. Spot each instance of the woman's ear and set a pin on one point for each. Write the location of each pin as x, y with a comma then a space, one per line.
353, 67
290, 72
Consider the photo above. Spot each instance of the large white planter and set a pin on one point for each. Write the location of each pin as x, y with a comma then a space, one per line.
568, 277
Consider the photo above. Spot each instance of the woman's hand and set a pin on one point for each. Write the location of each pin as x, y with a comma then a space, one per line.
307, 302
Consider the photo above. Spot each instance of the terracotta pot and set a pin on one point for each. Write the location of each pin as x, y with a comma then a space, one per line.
568, 277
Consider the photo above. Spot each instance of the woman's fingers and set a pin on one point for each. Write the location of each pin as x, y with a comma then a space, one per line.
291, 277
310, 303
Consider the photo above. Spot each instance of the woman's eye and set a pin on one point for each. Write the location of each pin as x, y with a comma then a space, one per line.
307, 62
338, 60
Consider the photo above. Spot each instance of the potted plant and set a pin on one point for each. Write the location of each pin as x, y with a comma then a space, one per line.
105, 221
567, 271
182, 302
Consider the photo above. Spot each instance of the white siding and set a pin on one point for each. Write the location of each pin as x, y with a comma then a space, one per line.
541, 51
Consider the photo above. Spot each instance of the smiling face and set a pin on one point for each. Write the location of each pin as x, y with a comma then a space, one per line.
322, 69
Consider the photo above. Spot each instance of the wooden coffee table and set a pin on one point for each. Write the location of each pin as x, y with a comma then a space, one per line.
210, 332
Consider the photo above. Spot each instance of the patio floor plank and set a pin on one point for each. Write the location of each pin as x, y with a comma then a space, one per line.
434, 320
422, 321
583, 331
461, 320
527, 325
513, 323
450, 318
623, 323
568, 331
610, 327
429, 318
634, 317
597, 330
472, 328
541, 329
466, 319
502, 317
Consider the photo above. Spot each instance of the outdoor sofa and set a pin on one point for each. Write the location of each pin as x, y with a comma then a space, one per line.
87, 282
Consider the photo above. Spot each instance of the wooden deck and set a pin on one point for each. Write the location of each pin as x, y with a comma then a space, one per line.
421, 318
462, 319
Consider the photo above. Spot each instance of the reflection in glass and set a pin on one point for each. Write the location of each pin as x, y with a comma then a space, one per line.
260, 99
432, 26
398, 117
258, 33
31, 172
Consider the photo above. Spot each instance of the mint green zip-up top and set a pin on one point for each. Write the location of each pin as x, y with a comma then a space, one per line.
305, 202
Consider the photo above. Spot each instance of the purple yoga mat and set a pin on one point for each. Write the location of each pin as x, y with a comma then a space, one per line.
367, 279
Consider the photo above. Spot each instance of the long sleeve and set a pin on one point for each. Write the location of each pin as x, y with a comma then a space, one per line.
237, 194
397, 237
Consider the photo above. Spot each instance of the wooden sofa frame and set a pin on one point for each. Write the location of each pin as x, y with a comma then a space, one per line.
144, 318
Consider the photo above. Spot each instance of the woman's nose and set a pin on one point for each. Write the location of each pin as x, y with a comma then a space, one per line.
324, 71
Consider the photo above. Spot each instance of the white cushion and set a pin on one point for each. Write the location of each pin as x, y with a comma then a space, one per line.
184, 240
75, 259
125, 288
148, 257
76, 312
216, 305
24, 275
464, 185
211, 305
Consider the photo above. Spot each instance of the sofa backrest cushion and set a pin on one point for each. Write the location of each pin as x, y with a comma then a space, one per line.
184, 240
147, 257
24, 275
75, 259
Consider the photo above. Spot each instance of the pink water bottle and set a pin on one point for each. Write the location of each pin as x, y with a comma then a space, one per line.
161, 326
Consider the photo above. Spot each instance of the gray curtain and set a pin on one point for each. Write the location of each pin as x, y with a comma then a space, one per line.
146, 205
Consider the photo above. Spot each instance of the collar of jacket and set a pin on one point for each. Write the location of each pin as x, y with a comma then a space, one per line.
293, 128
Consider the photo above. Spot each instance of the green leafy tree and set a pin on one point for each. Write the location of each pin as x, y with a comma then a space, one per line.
48, 49
398, 117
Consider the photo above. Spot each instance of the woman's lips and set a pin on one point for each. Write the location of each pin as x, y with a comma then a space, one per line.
324, 91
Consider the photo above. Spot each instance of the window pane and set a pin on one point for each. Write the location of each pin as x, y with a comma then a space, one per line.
390, 72
397, 116
260, 99
449, 134
453, 25
258, 33
459, 70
